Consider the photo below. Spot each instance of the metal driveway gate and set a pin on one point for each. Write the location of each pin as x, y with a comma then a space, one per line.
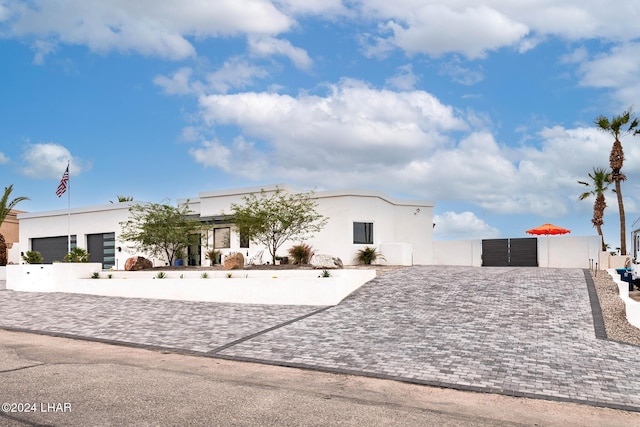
510, 252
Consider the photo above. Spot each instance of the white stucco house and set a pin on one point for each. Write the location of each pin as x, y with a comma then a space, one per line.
402, 230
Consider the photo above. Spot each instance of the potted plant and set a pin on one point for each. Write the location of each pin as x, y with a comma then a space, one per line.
179, 261
368, 254
214, 256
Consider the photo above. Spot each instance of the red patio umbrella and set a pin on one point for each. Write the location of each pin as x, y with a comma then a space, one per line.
546, 229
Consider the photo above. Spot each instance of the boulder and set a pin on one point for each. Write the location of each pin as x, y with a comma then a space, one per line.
234, 261
136, 263
326, 261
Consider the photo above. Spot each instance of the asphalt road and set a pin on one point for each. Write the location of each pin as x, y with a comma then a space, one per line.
64, 382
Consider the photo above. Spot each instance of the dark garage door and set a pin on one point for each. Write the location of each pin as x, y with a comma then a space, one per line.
510, 252
52, 248
101, 249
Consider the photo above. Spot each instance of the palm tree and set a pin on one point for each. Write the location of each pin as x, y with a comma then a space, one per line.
619, 126
122, 199
598, 184
5, 207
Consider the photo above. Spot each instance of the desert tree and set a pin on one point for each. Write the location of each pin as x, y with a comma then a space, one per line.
597, 185
272, 220
160, 229
618, 126
5, 207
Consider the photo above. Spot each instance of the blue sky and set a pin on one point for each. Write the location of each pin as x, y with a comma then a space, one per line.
486, 108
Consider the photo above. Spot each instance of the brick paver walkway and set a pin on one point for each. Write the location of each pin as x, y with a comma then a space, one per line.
517, 331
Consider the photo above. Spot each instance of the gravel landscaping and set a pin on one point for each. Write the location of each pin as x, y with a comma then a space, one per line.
613, 310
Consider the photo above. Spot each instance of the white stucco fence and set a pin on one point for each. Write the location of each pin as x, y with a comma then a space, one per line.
632, 307
553, 251
278, 287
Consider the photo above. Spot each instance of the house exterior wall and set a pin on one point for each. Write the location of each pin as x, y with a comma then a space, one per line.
394, 221
402, 227
79, 222
10, 227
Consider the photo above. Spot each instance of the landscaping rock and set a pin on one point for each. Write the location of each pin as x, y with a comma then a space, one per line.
326, 261
234, 261
137, 263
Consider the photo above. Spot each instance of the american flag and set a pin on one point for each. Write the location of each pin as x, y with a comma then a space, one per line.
62, 187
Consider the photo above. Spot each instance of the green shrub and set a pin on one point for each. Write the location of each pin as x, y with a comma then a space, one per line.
77, 255
32, 257
325, 273
204, 275
161, 275
95, 275
301, 253
368, 255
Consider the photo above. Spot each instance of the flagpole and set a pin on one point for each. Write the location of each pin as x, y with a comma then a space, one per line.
69, 210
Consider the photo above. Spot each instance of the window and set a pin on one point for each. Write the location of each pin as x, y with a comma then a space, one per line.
363, 233
221, 237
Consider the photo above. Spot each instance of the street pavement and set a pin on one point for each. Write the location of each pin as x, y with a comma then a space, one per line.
526, 332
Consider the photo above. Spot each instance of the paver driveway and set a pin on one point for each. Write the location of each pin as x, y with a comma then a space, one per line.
518, 331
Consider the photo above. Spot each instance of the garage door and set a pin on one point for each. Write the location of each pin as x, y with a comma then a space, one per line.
101, 249
52, 248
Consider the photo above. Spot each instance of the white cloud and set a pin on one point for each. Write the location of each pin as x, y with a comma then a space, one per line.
240, 158
3, 159
464, 225
149, 27
460, 74
404, 79
49, 160
236, 73
435, 29
327, 8
616, 70
576, 56
178, 84
270, 46
368, 127
42, 49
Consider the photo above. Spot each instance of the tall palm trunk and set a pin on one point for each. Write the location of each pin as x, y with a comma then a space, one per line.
3, 251
598, 216
616, 159
623, 221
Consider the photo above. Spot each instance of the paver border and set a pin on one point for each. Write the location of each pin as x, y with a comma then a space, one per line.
596, 310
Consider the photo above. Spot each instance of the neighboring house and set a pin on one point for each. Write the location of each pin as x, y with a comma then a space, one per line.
10, 231
401, 229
